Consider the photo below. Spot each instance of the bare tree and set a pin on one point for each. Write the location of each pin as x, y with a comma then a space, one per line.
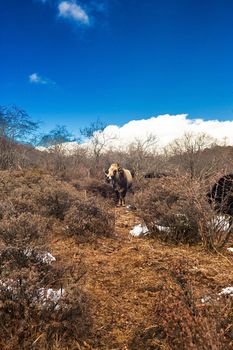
56, 136
98, 138
141, 154
15, 124
15, 127
54, 141
187, 152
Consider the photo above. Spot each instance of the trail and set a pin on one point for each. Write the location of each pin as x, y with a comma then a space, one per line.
123, 276
119, 270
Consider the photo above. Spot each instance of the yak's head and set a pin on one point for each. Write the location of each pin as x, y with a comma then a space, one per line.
112, 171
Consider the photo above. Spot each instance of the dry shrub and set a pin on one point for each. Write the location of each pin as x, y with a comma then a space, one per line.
10, 155
34, 308
185, 322
176, 209
33, 201
181, 321
35, 192
51, 197
7, 209
167, 207
54, 202
23, 229
95, 187
89, 216
34, 313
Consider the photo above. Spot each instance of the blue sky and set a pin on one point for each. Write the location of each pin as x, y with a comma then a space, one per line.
71, 62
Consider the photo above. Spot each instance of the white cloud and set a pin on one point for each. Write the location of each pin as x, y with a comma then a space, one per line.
71, 10
167, 128
35, 78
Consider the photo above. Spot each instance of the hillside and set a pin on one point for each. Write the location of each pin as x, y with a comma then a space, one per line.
117, 291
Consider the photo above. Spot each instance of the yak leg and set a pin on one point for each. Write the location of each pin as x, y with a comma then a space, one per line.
117, 198
122, 197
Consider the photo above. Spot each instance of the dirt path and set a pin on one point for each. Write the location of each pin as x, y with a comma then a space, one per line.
116, 276
125, 274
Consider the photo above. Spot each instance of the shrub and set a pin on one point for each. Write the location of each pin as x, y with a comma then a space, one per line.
7, 209
23, 230
181, 321
177, 210
93, 187
101, 189
38, 307
167, 207
182, 325
53, 202
89, 217
36, 193
35, 310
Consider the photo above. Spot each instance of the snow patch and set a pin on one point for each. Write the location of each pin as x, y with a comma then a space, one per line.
45, 257
160, 228
205, 299
50, 295
130, 207
43, 297
226, 291
230, 249
139, 231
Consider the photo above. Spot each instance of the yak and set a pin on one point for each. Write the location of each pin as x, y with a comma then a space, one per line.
121, 180
221, 195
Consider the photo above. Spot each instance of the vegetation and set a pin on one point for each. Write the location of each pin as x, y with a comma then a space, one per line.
72, 277
56, 136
